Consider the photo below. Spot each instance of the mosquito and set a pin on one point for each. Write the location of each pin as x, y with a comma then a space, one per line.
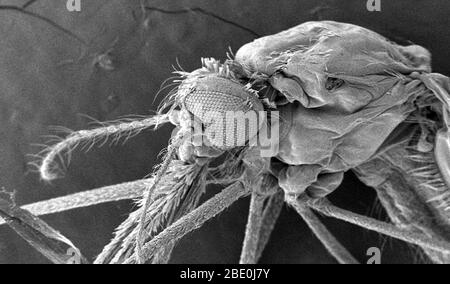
348, 100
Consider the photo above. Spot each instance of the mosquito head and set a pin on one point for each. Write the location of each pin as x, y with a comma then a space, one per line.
227, 108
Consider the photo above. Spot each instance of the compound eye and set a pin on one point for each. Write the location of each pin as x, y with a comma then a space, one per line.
334, 83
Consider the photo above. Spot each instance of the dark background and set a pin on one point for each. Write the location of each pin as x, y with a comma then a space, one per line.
49, 78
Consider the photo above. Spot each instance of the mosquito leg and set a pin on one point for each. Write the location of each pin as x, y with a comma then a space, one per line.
193, 220
118, 192
334, 247
328, 209
270, 216
258, 227
163, 256
46, 240
254, 224
112, 193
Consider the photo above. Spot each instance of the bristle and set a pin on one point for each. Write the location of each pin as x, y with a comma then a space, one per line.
110, 131
429, 176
